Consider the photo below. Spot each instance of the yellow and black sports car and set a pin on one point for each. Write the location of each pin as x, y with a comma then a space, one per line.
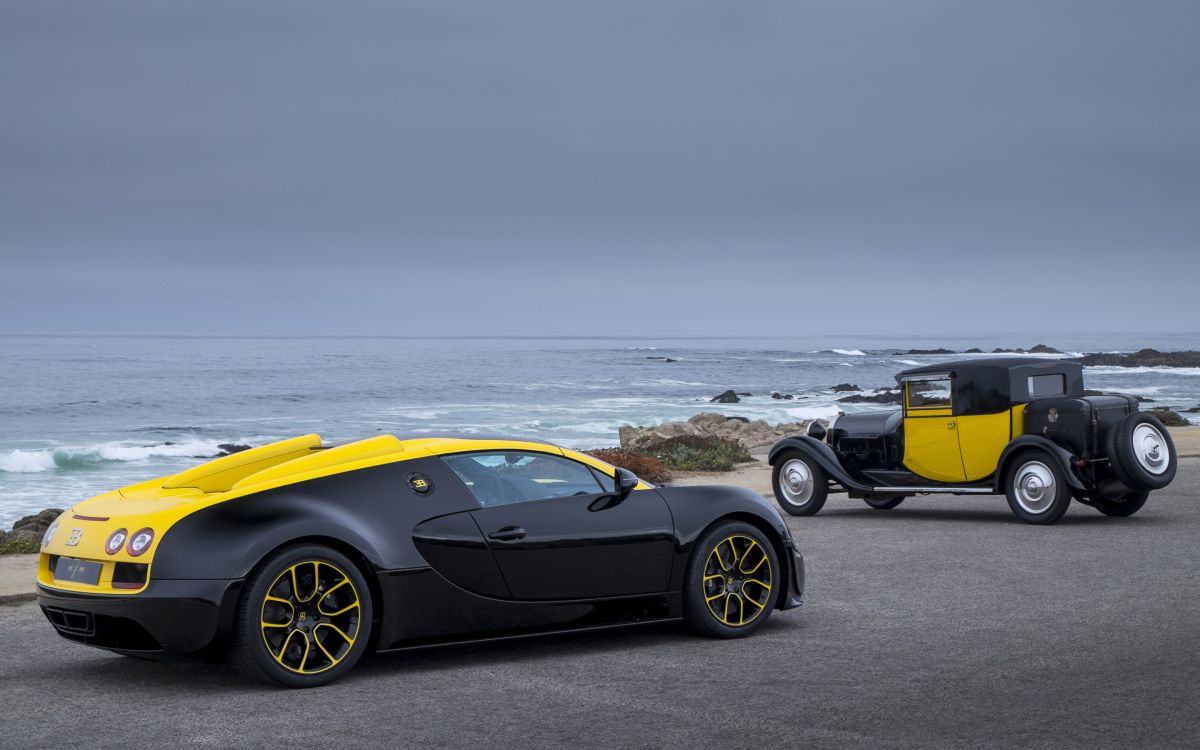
295, 558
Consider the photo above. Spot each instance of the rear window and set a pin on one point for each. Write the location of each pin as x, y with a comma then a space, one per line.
1047, 385
928, 394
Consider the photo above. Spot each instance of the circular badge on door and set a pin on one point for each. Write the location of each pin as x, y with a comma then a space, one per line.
419, 483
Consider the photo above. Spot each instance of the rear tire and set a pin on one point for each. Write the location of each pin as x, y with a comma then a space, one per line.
1122, 507
1141, 452
1036, 488
885, 502
801, 485
733, 581
303, 619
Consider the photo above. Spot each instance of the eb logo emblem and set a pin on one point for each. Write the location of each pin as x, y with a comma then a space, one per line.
419, 483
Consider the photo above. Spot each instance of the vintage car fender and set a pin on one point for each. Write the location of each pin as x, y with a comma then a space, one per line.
822, 454
1063, 457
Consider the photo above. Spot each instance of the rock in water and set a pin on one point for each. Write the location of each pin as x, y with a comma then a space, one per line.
228, 449
844, 387
1043, 349
728, 397
882, 396
1142, 358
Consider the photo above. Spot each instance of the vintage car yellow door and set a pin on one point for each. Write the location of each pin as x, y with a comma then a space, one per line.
931, 443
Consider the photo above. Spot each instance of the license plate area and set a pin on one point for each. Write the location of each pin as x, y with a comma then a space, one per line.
77, 571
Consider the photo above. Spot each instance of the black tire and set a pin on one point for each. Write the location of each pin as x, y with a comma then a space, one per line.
1036, 488
885, 502
1136, 447
1122, 507
744, 603
792, 500
258, 651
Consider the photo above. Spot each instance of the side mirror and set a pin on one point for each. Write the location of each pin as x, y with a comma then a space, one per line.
626, 481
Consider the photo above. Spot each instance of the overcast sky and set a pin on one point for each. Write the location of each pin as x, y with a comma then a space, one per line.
441, 167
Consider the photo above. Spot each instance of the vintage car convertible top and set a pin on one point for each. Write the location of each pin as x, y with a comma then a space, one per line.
1020, 426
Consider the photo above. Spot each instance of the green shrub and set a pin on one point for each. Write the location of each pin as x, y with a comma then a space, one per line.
695, 453
19, 546
646, 467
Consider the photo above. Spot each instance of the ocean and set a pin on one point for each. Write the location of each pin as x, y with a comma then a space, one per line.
80, 415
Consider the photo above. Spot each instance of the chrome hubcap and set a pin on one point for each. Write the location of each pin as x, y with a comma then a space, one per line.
1035, 487
1150, 448
796, 482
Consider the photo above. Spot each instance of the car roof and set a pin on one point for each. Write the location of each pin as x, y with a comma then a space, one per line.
964, 366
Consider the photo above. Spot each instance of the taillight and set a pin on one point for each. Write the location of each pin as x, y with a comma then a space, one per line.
139, 542
116, 541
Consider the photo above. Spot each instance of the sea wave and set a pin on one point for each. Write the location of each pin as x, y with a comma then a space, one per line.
20, 461
849, 352
1114, 370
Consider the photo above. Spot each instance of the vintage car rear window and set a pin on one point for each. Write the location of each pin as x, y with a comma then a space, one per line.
1047, 385
927, 394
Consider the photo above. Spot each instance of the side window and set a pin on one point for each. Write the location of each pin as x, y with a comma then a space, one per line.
1047, 385
928, 394
505, 477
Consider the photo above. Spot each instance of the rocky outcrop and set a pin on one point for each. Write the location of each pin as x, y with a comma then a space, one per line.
1169, 418
881, 396
753, 434
1142, 358
784, 396
1043, 349
228, 449
931, 351
973, 350
728, 397
845, 387
32, 527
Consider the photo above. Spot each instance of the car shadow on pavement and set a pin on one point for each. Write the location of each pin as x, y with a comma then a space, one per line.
1088, 516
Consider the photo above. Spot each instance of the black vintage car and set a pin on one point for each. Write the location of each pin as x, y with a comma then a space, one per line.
1018, 426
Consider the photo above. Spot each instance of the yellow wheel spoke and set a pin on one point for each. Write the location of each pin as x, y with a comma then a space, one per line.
748, 599
765, 585
341, 611
332, 659
717, 552
266, 624
283, 647
717, 595
335, 629
756, 567
714, 575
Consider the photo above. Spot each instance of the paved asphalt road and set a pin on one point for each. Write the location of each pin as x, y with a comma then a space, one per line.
944, 623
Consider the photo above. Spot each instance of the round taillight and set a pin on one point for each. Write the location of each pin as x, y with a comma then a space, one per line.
50, 533
139, 542
116, 541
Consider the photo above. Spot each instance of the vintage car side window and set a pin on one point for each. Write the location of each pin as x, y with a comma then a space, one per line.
506, 477
1047, 385
928, 394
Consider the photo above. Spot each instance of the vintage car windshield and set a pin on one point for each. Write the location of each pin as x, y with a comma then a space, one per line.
928, 394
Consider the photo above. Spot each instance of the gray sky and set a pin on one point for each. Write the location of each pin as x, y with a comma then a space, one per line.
440, 167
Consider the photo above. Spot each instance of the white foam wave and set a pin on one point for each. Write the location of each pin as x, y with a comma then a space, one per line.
849, 352
26, 462
1114, 370
911, 362
802, 413
66, 457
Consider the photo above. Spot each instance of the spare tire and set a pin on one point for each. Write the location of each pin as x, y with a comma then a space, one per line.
1141, 452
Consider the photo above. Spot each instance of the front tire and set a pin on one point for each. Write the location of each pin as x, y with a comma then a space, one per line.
1124, 506
1037, 489
303, 619
801, 485
732, 581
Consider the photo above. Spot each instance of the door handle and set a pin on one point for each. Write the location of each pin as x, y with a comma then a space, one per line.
507, 534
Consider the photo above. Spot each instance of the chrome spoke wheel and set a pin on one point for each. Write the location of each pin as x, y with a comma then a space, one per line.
796, 482
737, 580
1150, 449
310, 617
1035, 487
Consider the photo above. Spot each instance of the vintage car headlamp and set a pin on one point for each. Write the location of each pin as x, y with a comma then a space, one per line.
139, 542
816, 430
116, 541
49, 533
